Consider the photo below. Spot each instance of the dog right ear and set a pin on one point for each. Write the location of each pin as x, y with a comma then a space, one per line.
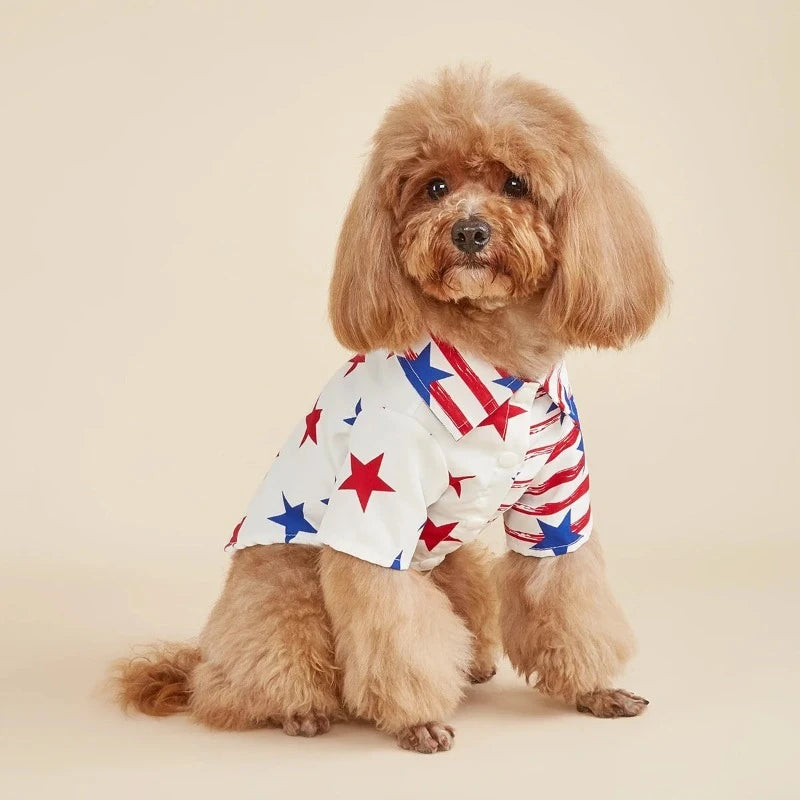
371, 301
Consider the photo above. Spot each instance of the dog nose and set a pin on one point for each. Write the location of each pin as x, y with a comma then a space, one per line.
471, 235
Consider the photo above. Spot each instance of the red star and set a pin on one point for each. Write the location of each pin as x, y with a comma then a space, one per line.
435, 534
235, 535
357, 359
500, 416
455, 482
364, 479
312, 418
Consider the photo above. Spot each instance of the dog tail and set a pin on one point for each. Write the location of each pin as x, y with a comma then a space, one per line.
156, 682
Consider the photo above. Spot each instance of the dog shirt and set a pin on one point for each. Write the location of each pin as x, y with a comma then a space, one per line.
405, 457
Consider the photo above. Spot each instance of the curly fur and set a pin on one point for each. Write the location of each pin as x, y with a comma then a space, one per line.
580, 638
156, 682
465, 576
388, 678
301, 637
575, 262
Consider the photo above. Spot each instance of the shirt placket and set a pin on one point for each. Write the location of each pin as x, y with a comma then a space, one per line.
511, 454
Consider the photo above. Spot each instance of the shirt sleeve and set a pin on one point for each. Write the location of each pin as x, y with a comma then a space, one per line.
393, 471
553, 516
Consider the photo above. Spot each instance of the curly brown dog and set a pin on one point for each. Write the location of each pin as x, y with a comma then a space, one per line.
560, 254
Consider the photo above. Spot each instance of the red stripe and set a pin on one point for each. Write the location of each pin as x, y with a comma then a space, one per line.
553, 508
555, 449
445, 401
538, 451
524, 537
539, 427
465, 372
559, 478
449, 407
578, 526
565, 443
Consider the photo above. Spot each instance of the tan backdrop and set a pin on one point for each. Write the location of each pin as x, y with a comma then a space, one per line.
173, 178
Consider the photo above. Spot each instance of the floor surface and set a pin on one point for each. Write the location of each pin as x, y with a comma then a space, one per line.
717, 660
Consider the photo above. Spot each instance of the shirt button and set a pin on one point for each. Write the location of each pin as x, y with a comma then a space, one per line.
508, 459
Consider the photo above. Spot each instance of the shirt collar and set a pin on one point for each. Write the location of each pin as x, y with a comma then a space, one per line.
461, 390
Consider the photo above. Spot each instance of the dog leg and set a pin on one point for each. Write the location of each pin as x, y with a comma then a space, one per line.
465, 576
403, 652
560, 622
267, 649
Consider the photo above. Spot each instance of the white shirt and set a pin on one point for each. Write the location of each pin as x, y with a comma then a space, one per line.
403, 458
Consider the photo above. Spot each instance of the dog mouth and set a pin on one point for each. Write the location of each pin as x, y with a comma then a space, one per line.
477, 269
474, 263
473, 278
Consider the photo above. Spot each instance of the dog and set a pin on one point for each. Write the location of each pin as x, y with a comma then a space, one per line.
489, 235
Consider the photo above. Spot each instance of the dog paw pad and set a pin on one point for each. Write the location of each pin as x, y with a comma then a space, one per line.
432, 737
610, 703
482, 675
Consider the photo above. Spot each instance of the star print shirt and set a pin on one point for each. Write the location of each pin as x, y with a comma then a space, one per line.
405, 457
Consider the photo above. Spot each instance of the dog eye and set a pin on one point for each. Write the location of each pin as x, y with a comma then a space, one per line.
515, 186
437, 188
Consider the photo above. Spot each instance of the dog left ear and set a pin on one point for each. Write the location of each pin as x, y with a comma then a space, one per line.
610, 281
371, 303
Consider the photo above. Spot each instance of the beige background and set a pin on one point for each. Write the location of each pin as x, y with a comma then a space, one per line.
173, 178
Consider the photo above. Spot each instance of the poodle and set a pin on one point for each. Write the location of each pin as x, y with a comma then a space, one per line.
489, 235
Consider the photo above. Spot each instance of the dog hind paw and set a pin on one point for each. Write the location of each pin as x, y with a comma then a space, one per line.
477, 675
610, 703
432, 737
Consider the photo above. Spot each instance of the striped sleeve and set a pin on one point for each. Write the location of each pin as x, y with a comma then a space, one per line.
553, 516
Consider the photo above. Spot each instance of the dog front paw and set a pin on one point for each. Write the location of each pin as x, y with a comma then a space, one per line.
312, 724
610, 703
432, 737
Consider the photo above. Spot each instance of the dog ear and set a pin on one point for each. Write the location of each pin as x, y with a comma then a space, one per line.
371, 302
610, 281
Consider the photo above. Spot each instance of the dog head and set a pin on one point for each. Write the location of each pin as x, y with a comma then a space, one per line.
484, 194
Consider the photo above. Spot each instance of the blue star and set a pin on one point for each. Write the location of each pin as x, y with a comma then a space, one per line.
351, 420
510, 382
396, 562
553, 407
325, 500
557, 537
421, 374
570, 409
573, 409
293, 520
